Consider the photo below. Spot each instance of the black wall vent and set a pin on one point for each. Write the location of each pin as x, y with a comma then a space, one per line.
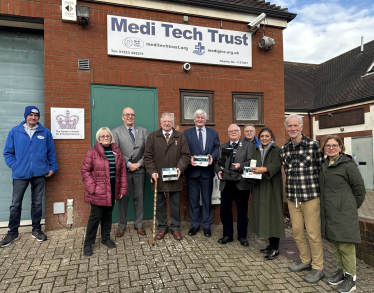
83, 64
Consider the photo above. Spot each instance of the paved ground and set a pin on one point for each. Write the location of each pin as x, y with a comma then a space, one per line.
195, 264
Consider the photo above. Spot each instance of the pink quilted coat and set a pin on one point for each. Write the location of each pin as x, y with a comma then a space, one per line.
95, 176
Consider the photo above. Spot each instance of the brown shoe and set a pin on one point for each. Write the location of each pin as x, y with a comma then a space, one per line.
120, 232
141, 231
160, 235
177, 235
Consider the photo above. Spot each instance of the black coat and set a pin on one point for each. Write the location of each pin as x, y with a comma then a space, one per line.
342, 193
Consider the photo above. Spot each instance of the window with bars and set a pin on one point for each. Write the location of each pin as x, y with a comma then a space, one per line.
247, 108
195, 100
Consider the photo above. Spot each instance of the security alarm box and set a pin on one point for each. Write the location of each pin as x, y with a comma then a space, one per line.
202, 161
169, 174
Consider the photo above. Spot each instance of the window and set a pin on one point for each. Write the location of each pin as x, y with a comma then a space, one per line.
247, 108
195, 100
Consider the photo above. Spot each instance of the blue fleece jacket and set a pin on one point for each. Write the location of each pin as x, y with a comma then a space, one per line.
30, 157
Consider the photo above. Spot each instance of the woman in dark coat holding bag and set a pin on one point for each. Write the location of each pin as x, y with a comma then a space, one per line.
342, 193
104, 175
266, 214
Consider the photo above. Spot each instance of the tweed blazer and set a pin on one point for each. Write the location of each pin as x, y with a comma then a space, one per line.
131, 151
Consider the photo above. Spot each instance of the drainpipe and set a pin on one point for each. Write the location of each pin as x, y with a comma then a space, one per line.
310, 125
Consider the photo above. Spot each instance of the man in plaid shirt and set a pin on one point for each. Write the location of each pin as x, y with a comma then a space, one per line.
302, 161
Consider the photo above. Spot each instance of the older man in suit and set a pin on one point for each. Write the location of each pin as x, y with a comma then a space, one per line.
201, 141
233, 186
131, 140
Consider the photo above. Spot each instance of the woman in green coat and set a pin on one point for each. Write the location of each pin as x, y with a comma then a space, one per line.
342, 193
266, 214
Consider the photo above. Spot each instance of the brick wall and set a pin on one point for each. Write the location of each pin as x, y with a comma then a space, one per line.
66, 86
365, 250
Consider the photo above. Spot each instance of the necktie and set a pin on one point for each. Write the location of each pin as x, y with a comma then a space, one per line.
201, 139
167, 134
132, 136
234, 146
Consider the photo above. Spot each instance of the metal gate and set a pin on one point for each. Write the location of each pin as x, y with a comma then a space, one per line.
21, 85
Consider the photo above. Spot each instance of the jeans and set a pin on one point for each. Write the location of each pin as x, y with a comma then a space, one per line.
37, 192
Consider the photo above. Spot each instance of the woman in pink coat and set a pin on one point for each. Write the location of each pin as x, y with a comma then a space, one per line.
104, 175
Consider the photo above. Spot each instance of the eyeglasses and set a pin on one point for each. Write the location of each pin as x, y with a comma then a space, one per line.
249, 131
105, 136
331, 146
233, 131
166, 122
129, 115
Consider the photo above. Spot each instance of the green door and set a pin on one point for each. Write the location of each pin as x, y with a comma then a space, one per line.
107, 103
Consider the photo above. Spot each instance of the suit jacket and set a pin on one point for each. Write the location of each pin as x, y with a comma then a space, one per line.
160, 154
243, 156
132, 152
211, 148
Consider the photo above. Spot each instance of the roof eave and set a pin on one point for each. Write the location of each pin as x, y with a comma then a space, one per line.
237, 8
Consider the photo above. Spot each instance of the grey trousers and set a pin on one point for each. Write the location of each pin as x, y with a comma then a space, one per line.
175, 215
136, 184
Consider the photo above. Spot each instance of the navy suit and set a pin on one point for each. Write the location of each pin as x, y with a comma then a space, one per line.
200, 179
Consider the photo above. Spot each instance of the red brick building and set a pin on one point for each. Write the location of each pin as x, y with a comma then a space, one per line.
46, 50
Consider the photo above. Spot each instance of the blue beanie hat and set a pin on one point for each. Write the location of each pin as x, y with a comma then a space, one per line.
31, 109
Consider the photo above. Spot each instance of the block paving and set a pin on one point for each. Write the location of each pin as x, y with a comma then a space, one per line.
195, 264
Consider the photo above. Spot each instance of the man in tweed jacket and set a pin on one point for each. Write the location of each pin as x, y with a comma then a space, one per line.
302, 162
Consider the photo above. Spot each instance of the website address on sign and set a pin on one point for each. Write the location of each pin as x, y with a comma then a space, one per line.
223, 52
166, 46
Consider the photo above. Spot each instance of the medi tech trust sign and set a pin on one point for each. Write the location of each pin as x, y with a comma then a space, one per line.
142, 38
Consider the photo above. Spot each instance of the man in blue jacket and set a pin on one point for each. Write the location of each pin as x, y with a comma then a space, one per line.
30, 152
201, 141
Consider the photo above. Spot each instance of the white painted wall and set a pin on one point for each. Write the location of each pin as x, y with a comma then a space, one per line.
369, 125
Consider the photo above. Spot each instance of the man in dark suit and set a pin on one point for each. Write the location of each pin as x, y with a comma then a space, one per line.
131, 140
233, 186
201, 141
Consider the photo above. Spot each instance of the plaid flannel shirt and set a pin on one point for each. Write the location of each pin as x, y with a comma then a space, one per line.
302, 163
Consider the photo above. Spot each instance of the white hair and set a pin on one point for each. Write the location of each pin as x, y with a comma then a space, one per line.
167, 114
104, 129
293, 115
199, 112
228, 129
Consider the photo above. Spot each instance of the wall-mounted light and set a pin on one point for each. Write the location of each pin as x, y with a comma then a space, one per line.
83, 14
330, 114
185, 19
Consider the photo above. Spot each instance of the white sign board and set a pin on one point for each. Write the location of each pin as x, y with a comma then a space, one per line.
143, 38
68, 9
67, 123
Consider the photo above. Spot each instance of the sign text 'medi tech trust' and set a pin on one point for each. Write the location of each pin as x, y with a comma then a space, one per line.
177, 42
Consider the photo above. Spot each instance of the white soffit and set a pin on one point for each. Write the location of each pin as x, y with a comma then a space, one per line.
193, 10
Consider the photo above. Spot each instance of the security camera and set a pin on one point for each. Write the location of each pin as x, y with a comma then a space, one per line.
266, 43
330, 114
256, 22
186, 67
